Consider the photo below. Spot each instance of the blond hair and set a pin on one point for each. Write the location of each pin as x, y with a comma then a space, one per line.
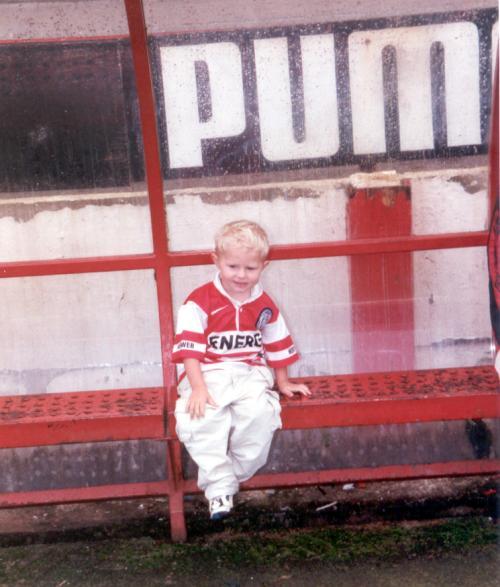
242, 233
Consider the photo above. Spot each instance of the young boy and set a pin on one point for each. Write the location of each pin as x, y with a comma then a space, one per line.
229, 332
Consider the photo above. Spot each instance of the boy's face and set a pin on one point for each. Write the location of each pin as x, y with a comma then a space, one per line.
240, 269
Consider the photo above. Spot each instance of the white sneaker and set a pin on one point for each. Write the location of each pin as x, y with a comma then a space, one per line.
220, 506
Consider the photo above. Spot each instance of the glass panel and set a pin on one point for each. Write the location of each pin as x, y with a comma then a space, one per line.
71, 164
453, 201
79, 332
315, 210
452, 321
450, 311
316, 308
269, 120
264, 115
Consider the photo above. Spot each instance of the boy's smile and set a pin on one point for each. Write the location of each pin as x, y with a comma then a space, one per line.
240, 269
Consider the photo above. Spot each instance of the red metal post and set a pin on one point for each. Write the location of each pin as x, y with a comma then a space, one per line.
494, 235
381, 285
147, 107
493, 145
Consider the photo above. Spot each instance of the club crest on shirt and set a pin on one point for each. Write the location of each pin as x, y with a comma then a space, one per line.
264, 318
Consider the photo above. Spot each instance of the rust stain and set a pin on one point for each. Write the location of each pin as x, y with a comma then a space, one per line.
388, 198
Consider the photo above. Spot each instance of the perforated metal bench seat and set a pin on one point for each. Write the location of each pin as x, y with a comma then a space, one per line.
59, 418
340, 400
395, 398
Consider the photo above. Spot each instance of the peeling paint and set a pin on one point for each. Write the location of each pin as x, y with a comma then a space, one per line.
23, 211
261, 194
472, 184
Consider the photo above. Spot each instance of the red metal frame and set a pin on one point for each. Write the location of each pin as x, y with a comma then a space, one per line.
161, 260
147, 109
494, 155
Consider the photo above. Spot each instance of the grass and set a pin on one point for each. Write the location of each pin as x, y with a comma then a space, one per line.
327, 544
85, 560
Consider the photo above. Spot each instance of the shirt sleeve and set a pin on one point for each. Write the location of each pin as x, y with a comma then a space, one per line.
278, 344
190, 340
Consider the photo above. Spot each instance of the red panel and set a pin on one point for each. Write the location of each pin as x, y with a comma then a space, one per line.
56, 418
381, 285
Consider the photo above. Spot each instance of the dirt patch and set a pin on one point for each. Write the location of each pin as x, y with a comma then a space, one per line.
317, 506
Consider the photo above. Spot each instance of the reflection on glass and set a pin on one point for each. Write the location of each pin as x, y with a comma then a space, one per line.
452, 321
450, 307
313, 295
71, 164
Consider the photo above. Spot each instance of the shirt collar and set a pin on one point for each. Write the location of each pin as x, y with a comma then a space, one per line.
254, 293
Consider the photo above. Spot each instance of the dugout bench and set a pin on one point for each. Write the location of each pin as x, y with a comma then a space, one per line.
338, 401
375, 398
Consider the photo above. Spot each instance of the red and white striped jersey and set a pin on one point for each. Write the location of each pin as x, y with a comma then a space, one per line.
214, 328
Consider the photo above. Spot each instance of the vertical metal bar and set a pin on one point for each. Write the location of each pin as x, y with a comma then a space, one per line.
493, 146
154, 177
381, 285
493, 247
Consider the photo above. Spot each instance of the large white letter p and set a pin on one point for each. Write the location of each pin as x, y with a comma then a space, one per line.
222, 86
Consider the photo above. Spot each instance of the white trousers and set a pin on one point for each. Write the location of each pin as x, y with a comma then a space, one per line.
232, 441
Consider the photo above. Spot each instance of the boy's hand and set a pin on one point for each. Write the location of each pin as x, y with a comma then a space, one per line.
288, 388
197, 401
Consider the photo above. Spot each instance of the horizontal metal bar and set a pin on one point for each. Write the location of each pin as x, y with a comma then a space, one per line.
275, 480
72, 266
384, 473
278, 252
366, 246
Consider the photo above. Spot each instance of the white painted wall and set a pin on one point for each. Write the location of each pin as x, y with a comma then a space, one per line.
66, 226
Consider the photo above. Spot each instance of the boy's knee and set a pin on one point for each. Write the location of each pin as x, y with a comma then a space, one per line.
263, 412
259, 421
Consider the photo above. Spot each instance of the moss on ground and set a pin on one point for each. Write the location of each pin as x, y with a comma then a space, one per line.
327, 544
139, 557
